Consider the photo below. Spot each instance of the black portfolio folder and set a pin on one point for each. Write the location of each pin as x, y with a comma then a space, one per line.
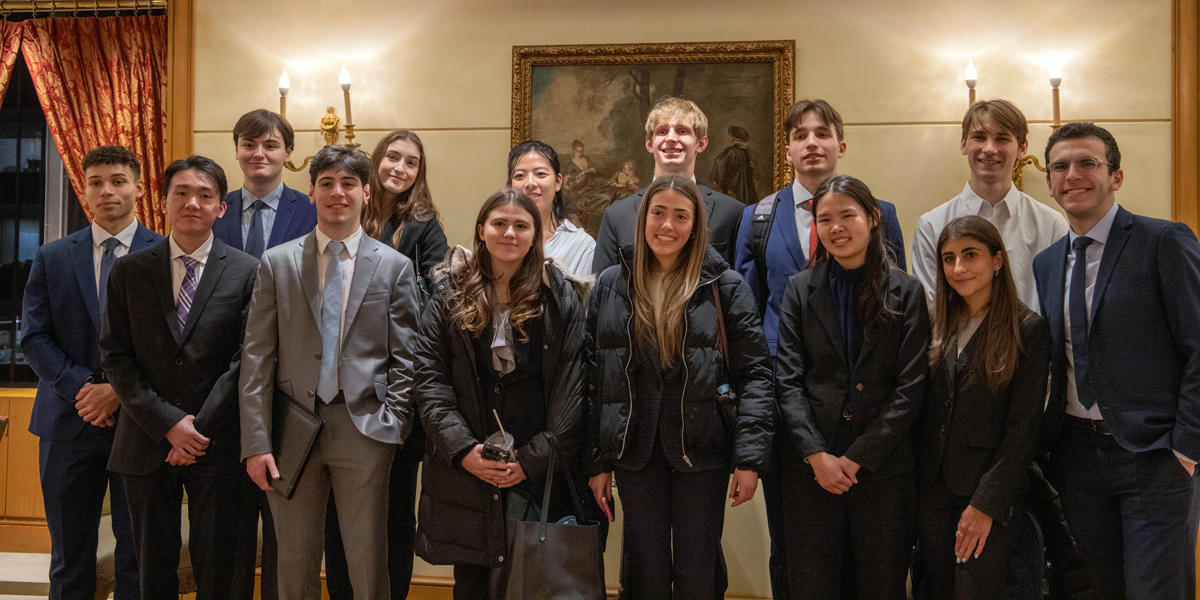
294, 430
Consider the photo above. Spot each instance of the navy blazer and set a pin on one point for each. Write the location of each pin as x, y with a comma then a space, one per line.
60, 328
295, 217
1144, 337
785, 256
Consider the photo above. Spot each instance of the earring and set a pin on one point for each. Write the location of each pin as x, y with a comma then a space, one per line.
996, 273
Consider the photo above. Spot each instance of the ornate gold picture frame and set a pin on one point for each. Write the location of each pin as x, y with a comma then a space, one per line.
590, 102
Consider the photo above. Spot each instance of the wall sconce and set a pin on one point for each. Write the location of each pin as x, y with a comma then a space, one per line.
1055, 81
285, 84
330, 122
971, 77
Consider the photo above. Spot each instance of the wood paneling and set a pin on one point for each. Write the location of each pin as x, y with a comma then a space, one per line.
181, 78
22, 512
4, 453
1185, 112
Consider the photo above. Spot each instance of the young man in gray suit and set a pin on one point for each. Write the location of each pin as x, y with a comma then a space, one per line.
332, 324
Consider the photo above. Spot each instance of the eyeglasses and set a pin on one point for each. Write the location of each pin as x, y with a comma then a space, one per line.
1086, 165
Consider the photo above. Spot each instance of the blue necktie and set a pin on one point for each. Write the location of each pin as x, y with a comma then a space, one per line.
1079, 322
331, 324
255, 244
106, 264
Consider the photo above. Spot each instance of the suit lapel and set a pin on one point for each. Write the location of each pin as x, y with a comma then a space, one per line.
161, 277
1117, 236
785, 226
709, 201
213, 268
364, 271
83, 260
310, 280
233, 220
821, 300
283, 216
144, 238
870, 336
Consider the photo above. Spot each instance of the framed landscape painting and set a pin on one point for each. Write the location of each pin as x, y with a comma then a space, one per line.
590, 103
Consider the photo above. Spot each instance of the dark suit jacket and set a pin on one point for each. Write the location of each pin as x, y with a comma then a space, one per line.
1144, 352
982, 441
785, 256
884, 389
60, 329
620, 220
161, 374
295, 216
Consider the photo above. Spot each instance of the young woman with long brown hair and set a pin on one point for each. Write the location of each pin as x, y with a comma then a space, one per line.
504, 331
682, 394
533, 168
977, 434
850, 377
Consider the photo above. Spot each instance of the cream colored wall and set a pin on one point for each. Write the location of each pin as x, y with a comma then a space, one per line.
893, 69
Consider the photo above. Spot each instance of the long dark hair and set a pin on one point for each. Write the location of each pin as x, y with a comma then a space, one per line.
559, 210
413, 203
473, 301
875, 309
1001, 327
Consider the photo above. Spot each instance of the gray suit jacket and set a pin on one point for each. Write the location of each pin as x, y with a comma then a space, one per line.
283, 341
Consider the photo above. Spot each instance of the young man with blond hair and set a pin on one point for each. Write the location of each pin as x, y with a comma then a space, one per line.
676, 132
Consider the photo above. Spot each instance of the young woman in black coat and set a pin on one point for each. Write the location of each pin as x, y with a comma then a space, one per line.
978, 431
400, 214
851, 371
505, 332
672, 411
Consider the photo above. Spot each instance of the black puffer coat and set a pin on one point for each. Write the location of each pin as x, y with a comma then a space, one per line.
461, 518
707, 440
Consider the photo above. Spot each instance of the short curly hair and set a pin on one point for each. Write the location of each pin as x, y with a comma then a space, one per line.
113, 155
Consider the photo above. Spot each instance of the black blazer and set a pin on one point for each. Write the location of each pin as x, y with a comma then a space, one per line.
885, 388
162, 375
620, 219
980, 440
423, 242
1144, 337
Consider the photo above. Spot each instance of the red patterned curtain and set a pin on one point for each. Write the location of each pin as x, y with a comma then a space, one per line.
10, 37
103, 81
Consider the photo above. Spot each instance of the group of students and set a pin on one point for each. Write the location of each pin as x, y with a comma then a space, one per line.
696, 347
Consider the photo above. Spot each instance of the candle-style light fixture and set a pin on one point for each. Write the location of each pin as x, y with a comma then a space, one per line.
971, 77
285, 84
344, 79
1055, 81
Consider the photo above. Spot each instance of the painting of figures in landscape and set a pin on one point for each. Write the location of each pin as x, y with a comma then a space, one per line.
594, 116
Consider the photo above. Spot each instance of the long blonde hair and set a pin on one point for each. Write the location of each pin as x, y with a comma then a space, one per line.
662, 325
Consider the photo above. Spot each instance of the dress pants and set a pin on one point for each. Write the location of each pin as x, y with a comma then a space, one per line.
258, 505
772, 491
942, 577
214, 495
1132, 514
864, 535
356, 468
673, 524
74, 476
401, 525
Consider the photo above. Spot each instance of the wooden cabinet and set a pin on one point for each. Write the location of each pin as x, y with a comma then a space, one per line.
22, 512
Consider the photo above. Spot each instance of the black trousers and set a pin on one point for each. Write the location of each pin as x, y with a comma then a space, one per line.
942, 577
477, 582
74, 476
672, 535
257, 507
772, 491
401, 527
864, 536
216, 497
1132, 514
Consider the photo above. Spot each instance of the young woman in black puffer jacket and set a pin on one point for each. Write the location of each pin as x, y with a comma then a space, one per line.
667, 415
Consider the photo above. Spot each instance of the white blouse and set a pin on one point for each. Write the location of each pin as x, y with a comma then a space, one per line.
571, 248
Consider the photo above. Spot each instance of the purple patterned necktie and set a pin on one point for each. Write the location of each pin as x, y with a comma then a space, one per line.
187, 290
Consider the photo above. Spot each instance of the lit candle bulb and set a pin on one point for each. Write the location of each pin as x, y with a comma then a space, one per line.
971, 77
285, 84
1055, 81
344, 79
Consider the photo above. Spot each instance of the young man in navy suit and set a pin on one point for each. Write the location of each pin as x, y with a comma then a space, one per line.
76, 409
263, 214
814, 145
1123, 420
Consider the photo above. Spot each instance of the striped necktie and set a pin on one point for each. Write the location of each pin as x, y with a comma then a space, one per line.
187, 290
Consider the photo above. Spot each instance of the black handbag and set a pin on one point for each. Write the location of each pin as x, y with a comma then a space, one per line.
554, 560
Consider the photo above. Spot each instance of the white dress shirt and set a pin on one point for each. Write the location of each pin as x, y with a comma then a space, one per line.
1099, 235
571, 248
348, 259
804, 216
179, 270
1026, 226
267, 215
99, 236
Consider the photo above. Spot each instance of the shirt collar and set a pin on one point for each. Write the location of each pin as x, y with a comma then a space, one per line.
1099, 231
200, 254
567, 226
271, 199
801, 194
125, 236
693, 178
351, 242
975, 202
